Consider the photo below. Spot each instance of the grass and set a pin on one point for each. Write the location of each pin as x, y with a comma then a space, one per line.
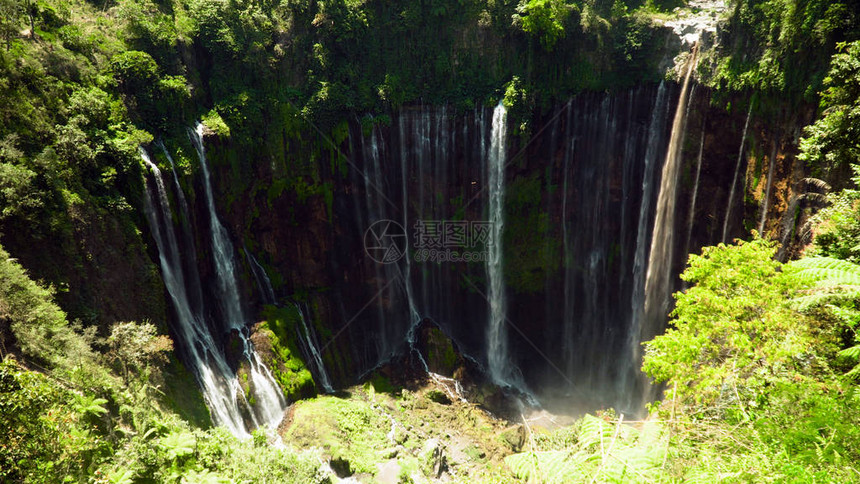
368, 429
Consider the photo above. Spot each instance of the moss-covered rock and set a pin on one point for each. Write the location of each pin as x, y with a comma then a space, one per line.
275, 341
438, 350
349, 430
401, 436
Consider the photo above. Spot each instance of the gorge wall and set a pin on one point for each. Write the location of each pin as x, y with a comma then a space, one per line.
326, 117
579, 208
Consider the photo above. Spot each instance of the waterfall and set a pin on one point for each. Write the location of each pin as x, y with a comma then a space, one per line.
192, 279
374, 185
497, 337
767, 189
180, 195
567, 255
222, 248
735, 178
640, 257
270, 399
414, 315
599, 186
658, 277
692, 216
311, 349
218, 383
420, 133
264, 284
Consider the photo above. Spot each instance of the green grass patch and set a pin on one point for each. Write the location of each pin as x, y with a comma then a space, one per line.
346, 429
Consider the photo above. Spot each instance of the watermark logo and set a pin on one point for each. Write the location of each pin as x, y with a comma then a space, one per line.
436, 241
385, 241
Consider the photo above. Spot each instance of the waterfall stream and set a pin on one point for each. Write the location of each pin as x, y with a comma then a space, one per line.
736, 175
309, 340
497, 337
218, 383
640, 260
766, 199
691, 218
264, 284
658, 279
269, 397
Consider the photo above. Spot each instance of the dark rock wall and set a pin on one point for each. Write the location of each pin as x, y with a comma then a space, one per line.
300, 201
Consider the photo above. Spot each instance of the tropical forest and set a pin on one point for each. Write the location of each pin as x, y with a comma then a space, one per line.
429, 241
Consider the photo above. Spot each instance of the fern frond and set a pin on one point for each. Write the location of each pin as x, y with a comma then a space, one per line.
557, 466
817, 183
814, 197
852, 352
594, 430
701, 476
827, 271
849, 316
822, 297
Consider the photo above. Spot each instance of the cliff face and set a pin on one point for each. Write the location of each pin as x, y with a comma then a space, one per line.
97, 262
580, 197
581, 183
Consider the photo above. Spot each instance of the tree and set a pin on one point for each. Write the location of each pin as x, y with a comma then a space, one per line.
832, 141
543, 19
10, 20
733, 328
32, 10
138, 350
834, 287
18, 193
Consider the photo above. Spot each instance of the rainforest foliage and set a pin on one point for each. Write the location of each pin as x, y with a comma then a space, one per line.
760, 368
759, 365
75, 407
84, 83
780, 46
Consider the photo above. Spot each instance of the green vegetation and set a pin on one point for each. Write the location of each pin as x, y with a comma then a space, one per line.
284, 359
528, 255
734, 324
349, 430
76, 408
757, 366
594, 449
831, 142
780, 47
760, 364
368, 432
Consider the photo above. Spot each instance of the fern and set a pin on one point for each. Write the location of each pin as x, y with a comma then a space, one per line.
178, 444
202, 477
700, 476
824, 297
852, 352
89, 405
824, 272
555, 466
817, 183
835, 284
849, 316
120, 476
603, 452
